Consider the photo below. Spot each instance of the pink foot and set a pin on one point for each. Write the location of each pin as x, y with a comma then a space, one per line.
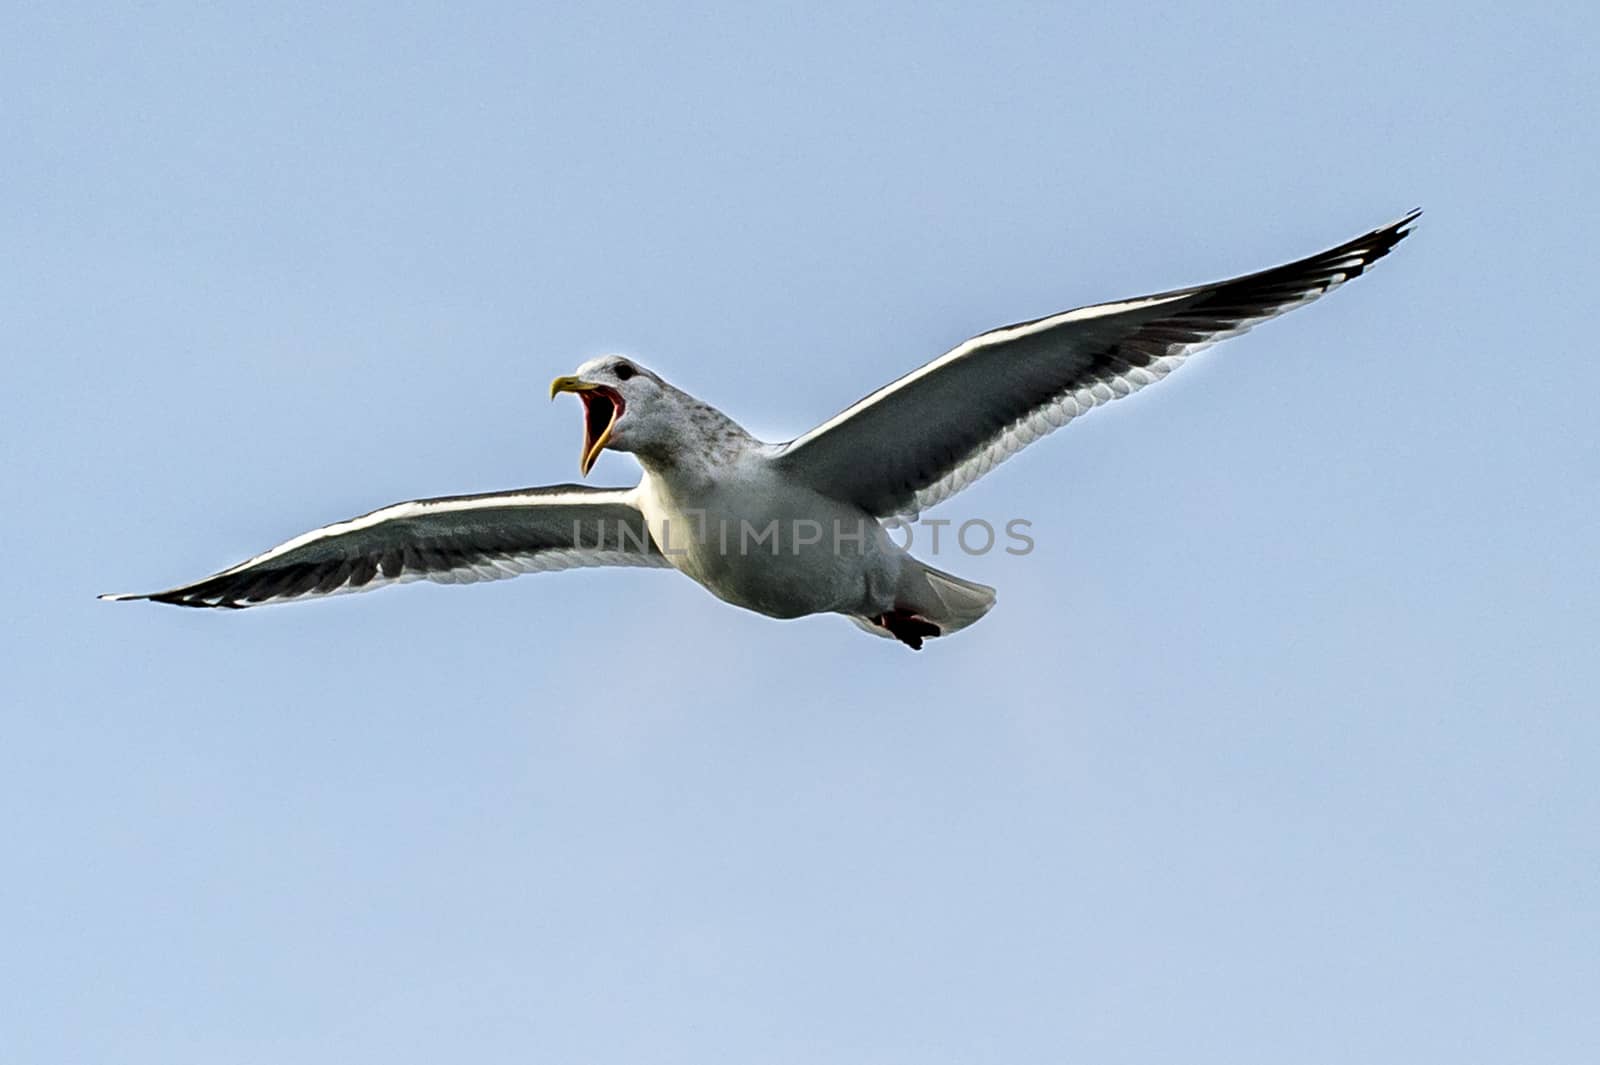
910, 629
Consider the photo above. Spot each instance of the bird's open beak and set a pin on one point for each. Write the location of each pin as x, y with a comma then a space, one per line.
602, 407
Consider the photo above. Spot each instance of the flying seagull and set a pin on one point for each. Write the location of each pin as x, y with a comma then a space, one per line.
797, 528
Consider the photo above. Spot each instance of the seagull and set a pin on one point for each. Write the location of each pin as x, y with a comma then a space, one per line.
803, 527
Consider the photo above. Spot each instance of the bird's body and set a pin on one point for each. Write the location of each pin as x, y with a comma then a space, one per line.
724, 514
789, 530
736, 536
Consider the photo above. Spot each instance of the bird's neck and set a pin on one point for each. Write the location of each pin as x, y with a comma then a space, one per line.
698, 441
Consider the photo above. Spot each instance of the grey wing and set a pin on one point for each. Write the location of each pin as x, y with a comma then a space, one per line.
451, 540
922, 439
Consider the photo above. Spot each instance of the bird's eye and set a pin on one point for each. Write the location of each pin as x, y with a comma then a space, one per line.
624, 371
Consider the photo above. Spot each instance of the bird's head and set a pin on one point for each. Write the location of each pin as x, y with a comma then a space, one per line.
624, 406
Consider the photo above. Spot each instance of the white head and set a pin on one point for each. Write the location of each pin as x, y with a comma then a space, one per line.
625, 407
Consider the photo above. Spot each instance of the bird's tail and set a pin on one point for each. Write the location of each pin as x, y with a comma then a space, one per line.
950, 602
929, 602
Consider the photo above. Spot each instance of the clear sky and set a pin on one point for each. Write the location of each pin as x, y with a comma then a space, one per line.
1283, 745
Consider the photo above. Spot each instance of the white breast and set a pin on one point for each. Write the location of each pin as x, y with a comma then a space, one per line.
769, 545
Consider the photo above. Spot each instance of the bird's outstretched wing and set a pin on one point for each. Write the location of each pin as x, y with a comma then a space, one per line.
922, 439
452, 540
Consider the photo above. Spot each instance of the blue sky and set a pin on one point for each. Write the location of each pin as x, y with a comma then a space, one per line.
1281, 746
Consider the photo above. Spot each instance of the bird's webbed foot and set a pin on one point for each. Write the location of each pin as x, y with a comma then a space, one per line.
910, 629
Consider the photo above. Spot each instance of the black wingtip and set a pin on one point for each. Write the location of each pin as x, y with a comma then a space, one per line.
172, 598
1373, 245
1403, 225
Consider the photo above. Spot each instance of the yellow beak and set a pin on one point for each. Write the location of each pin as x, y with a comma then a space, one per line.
592, 444
569, 384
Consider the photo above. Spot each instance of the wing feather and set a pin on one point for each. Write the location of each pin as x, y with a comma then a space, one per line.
925, 437
449, 540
